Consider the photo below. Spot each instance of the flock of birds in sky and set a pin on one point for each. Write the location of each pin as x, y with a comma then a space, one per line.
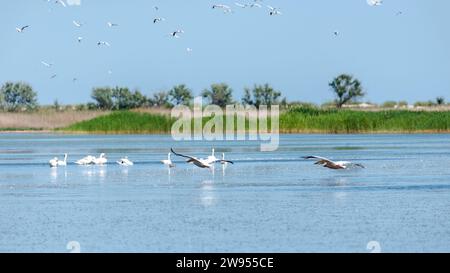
196, 161
257, 4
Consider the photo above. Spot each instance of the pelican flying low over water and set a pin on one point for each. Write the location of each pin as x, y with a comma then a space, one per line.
325, 162
199, 162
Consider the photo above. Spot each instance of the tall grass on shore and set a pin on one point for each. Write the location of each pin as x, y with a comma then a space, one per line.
124, 122
314, 120
297, 120
44, 119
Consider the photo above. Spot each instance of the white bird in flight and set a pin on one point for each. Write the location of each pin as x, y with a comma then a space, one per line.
100, 43
201, 163
374, 3
46, 64
241, 5
176, 32
21, 29
325, 162
112, 24
273, 11
60, 2
225, 8
158, 19
77, 24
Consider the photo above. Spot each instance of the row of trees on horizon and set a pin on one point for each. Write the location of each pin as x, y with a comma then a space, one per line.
347, 89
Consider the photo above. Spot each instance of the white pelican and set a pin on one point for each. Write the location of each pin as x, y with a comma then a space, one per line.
85, 160
53, 162
79, 39
158, 19
21, 29
188, 50
201, 163
77, 24
225, 8
99, 43
374, 2
176, 32
100, 160
325, 162
62, 162
125, 162
273, 11
168, 161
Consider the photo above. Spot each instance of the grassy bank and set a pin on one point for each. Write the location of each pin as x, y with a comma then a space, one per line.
350, 121
300, 120
125, 122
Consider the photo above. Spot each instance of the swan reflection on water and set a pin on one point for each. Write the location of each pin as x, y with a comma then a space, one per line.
207, 196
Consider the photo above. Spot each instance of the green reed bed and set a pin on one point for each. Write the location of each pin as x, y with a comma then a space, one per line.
124, 122
351, 121
299, 120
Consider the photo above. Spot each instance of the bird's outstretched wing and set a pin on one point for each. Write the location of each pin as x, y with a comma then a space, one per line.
186, 156
316, 157
223, 161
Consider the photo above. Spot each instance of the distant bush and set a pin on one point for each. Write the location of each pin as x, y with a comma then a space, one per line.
17, 96
389, 104
424, 104
118, 98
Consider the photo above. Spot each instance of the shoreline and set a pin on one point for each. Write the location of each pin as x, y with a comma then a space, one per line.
300, 132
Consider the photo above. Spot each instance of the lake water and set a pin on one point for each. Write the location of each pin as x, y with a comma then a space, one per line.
265, 202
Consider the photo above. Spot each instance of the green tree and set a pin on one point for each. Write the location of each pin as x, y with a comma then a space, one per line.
161, 99
180, 94
440, 101
122, 98
103, 97
219, 94
346, 88
261, 95
16, 96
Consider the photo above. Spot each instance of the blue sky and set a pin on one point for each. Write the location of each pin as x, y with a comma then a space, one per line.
396, 57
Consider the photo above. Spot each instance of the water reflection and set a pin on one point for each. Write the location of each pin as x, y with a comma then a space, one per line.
207, 196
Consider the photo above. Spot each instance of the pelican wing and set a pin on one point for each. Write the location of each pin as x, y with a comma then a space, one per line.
190, 158
318, 158
223, 161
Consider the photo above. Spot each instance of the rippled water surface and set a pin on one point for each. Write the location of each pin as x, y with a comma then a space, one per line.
265, 202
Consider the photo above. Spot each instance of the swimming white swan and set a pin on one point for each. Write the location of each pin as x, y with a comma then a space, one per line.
325, 162
63, 162
168, 161
53, 162
212, 158
125, 162
199, 162
223, 162
100, 160
85, 160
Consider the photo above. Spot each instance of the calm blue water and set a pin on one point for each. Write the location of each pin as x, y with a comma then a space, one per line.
265, 202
